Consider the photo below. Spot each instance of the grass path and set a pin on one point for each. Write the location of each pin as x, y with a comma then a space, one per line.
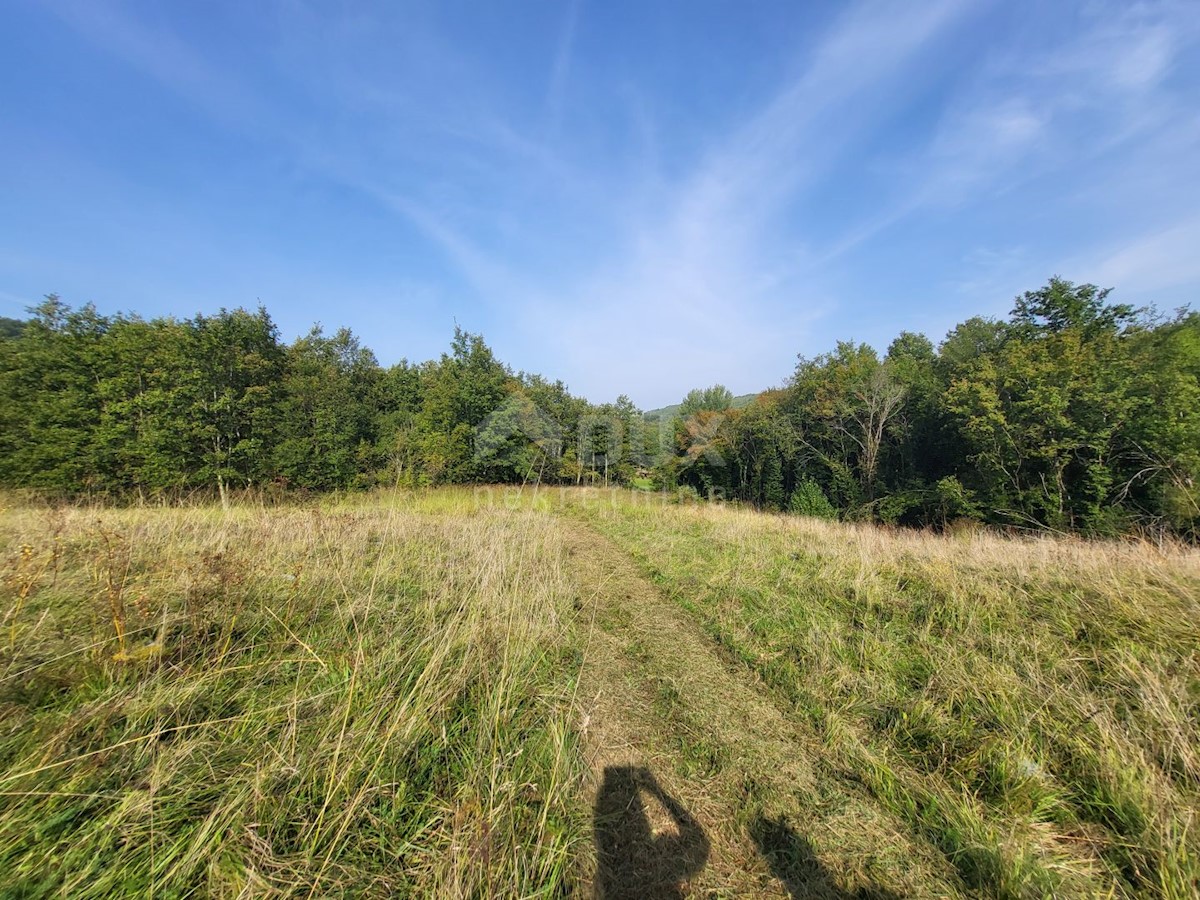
457, 694
665, 718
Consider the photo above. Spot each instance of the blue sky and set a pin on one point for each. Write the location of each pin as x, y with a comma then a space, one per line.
636, 197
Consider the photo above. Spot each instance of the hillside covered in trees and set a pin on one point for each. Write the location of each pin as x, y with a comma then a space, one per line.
1074, 414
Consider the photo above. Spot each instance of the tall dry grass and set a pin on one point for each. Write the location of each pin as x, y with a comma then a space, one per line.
361, 698
373, 695
1030, 706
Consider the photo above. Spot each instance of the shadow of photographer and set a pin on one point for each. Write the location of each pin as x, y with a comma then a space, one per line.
792, 860
634, 859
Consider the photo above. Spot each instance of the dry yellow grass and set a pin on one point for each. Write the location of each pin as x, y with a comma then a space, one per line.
1028, 705
303, 701
377, 695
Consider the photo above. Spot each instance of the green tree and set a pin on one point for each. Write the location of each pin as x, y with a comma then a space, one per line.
846, 401
48, 420
968, 341
518, 442
809, 500
1062, 306
397, 443
458, 392
236, 376
702, 440
717, 398
1159, 454
146, 411
918, 429
329, 411
1041, 414
762, 455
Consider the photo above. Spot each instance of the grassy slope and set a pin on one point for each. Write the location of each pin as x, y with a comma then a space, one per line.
669, 412
1029, 707
317, 702
378, 697
659, 697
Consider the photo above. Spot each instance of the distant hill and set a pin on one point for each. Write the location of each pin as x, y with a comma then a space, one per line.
669, 412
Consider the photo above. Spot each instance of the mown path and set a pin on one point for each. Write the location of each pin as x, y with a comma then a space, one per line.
700, 784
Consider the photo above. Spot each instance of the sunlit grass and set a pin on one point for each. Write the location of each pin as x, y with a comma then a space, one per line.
373, 695
365, 698
1030, 706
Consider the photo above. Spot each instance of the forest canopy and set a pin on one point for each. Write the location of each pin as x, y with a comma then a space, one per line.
1075, 414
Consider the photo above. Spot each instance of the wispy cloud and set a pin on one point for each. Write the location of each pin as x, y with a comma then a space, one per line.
1159, 260
690, 264
681, 266
1022, 116
705, 286
1086, 136
14, 306
165, 55
605, 251
561, 70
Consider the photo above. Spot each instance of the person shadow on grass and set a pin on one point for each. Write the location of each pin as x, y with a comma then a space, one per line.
792, 860
632, 860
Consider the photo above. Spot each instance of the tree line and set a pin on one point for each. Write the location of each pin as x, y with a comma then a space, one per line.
1074, 413
119, 405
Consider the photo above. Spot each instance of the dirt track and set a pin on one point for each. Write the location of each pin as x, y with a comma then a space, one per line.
700, 784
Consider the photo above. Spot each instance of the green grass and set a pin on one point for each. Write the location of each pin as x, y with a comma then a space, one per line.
362, 700
1029, 707
375, 696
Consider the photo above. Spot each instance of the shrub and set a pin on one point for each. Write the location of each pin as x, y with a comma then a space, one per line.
809, 500
955, 501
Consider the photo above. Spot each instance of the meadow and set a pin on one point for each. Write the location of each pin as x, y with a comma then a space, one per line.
575, 692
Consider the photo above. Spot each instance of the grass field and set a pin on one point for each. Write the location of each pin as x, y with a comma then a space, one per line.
498, 694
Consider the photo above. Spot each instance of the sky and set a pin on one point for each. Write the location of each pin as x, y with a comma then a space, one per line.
636, 197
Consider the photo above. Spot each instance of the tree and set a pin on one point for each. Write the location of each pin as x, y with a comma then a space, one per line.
848, 398
701, 439
809, 500
1075, 413
1159, 452
969, 341
400, 400
147, 413
1061, 306
703, 447
51, 407
762, 452
329, 411
237, 372
1040, 415
712, 399
457, 393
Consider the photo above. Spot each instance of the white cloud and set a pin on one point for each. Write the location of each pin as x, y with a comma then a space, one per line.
1159, 260
667, 280
707, 286
165, 56
561, 69
1145, 61
14, 306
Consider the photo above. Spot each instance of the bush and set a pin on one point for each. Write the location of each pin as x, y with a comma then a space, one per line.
954, 501
893, 508
809, 500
